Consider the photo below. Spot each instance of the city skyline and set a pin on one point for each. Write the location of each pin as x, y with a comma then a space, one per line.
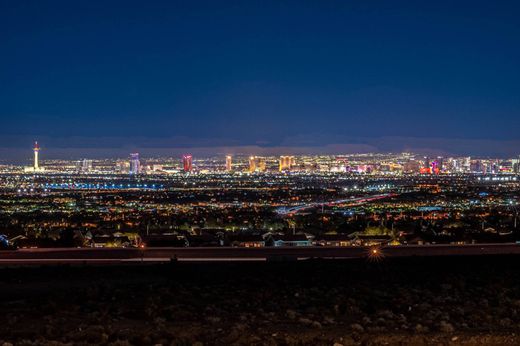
357, 163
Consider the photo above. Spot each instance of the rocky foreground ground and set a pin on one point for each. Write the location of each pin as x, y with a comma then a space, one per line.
466, 301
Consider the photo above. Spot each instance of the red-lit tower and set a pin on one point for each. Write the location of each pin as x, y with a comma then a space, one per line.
187, 162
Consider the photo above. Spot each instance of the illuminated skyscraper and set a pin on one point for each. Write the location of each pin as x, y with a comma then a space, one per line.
286, 162
135, 165
515, 165
86, 165
228, 162
187, 163
434, 167
260, 165
252, 164
256, 164
36, 151
283, 163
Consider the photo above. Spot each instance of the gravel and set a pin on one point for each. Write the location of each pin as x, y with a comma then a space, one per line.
460, 301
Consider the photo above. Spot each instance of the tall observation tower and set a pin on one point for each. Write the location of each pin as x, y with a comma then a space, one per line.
36, 150
36, 165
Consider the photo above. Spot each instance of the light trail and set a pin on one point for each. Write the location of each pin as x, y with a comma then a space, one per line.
354, 201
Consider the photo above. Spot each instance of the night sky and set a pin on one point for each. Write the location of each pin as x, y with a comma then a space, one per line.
99, 77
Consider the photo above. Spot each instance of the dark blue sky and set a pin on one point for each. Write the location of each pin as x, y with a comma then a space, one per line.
110, 74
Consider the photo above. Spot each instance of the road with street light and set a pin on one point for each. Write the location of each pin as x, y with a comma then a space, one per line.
45, 256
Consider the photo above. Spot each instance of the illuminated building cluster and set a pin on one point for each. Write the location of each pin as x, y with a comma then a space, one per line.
253, 201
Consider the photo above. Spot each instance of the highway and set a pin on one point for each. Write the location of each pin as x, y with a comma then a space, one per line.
52, 256
352, 201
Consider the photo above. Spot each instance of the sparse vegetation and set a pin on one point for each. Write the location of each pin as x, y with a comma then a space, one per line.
424, 301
